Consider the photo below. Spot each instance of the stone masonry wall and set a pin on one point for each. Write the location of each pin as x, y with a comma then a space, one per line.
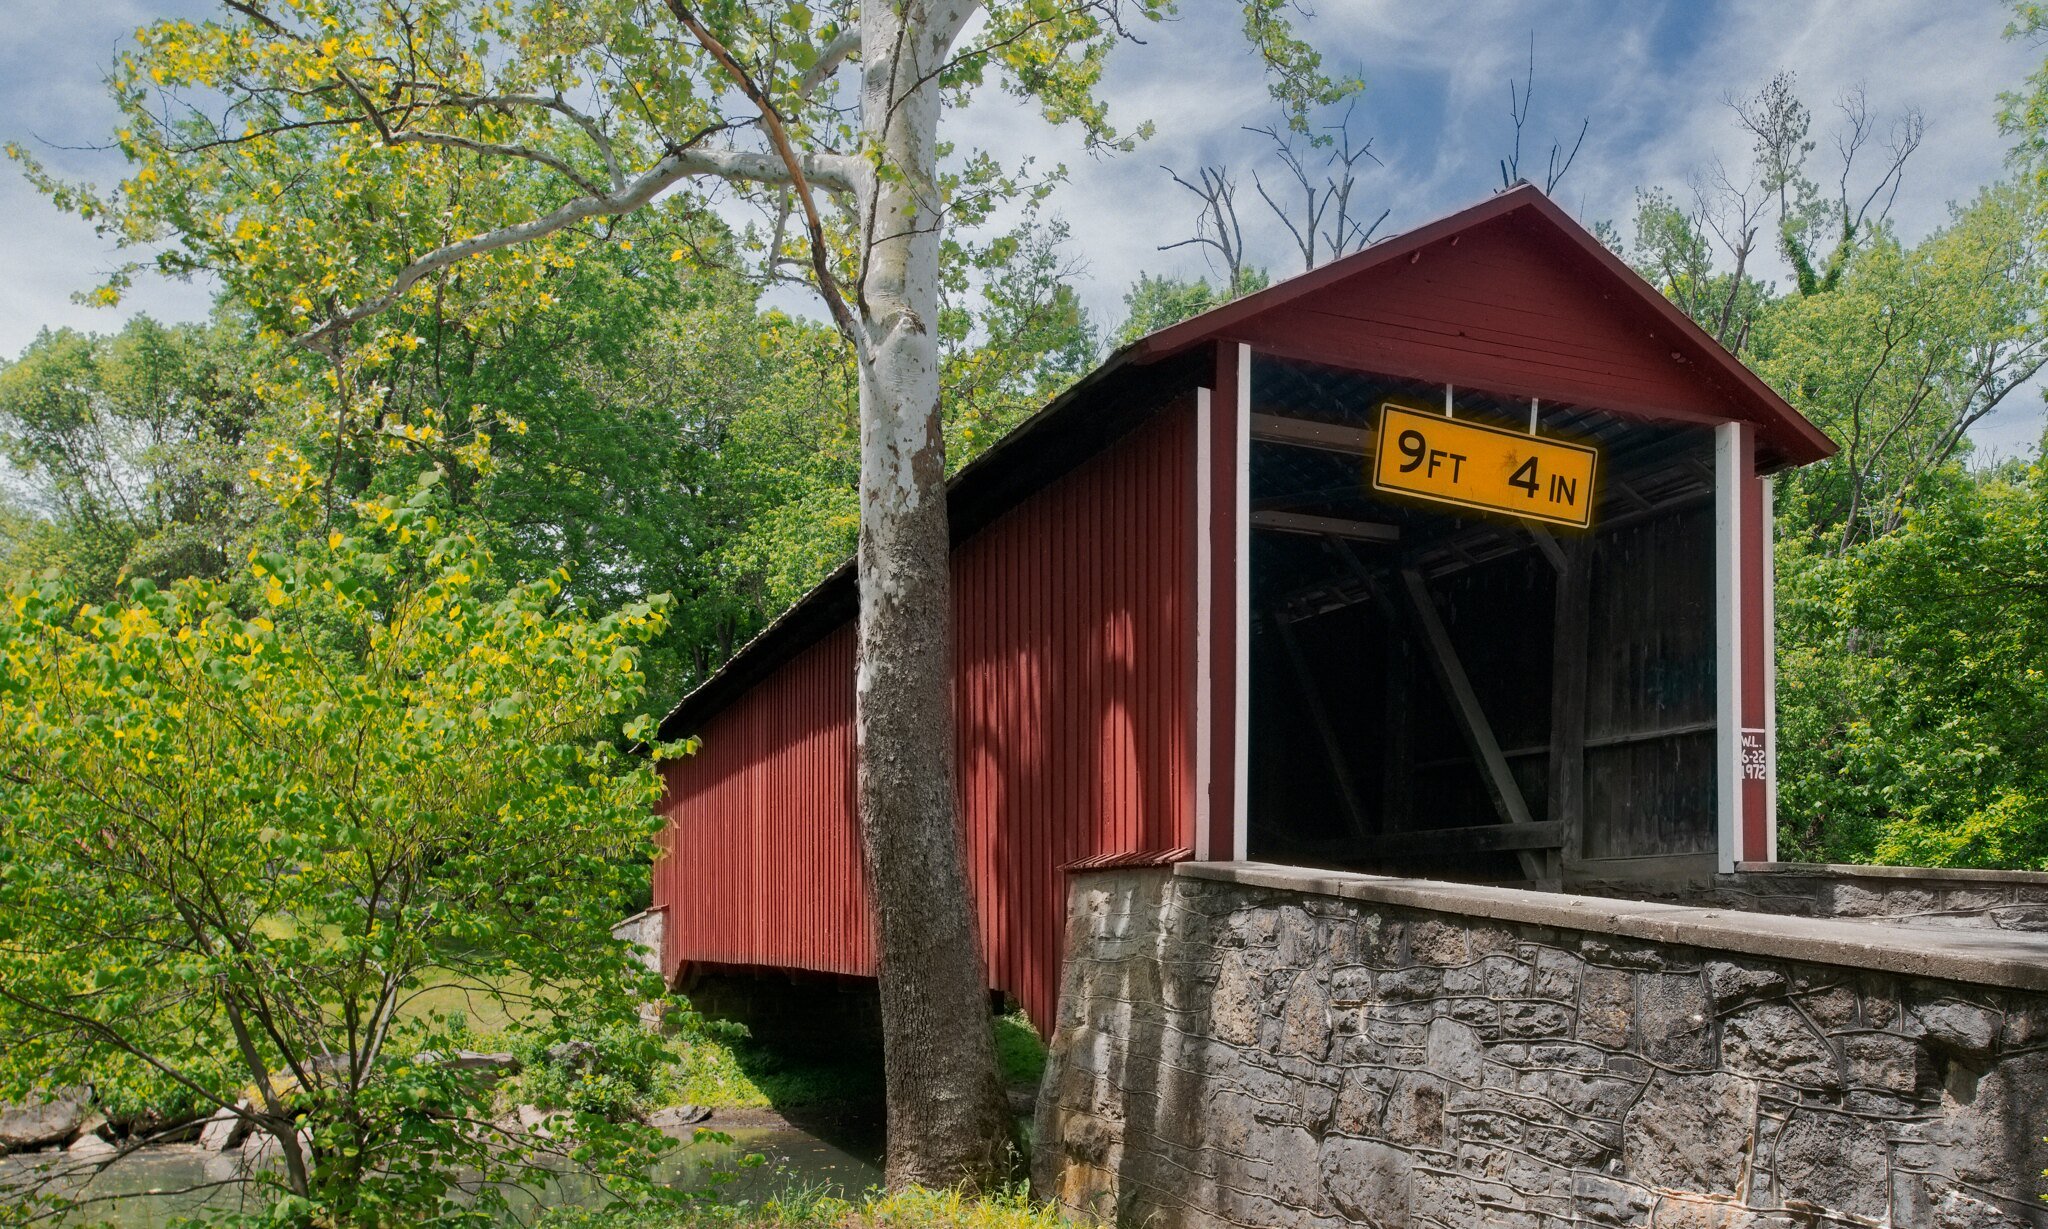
1236, 1055
2003, 900
644, 931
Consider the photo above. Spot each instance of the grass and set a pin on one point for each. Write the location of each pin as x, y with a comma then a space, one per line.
914, 1209
718, 1067
1020, 1054
491, 1005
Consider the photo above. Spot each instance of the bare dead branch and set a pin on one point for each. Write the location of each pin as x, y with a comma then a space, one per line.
1561, 159
1557, 172
1216, 225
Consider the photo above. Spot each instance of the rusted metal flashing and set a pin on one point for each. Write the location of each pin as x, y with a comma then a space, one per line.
1127, 861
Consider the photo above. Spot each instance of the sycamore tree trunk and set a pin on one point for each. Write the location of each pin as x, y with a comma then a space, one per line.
947, 1118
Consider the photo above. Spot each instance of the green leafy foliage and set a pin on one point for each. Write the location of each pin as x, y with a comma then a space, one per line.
2023, 113
612, 1072
1019, 1049
1155, 302
1673, 252
672, 435
1013, 333
1912, 349
131, 448
234, 849
1914, 684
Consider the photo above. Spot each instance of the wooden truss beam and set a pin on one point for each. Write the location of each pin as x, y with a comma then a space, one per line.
1541, 868
1325, 526
1544, 869
1482, 838
1546, 542
1309, 433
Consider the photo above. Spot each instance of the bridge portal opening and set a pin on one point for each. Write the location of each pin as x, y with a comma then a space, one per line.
1446, 691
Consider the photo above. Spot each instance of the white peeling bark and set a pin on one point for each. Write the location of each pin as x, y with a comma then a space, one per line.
947, 1118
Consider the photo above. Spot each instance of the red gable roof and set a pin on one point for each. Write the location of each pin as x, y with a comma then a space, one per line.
1511, 296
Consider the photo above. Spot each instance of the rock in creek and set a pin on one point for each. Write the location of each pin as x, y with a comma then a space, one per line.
498, 1063
226, 1129
677, 1119
263, 1151
38, 1125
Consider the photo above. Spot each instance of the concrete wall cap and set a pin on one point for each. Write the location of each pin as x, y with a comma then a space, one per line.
1918, 874
2012, 959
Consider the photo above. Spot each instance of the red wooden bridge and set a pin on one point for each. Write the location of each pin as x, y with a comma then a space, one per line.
1187, 626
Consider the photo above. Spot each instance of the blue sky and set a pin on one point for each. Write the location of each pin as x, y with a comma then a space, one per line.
1650, 76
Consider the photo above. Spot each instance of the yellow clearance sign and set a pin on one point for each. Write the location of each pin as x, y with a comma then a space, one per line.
1432, 457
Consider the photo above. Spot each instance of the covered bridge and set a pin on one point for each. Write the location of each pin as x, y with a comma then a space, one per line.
1200, 613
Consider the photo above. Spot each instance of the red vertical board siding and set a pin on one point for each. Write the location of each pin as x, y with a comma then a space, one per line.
1073, 660
763, 857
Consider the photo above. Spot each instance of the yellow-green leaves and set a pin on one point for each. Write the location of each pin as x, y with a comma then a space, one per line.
284, 827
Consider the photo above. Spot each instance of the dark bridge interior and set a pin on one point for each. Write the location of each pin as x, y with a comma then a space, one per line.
1469, 695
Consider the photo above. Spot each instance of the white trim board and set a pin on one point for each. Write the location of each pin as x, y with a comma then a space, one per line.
1728, 642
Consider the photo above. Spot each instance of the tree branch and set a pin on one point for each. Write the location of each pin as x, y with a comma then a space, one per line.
451, 141
778, 136
590, 126
830, 170
835, 53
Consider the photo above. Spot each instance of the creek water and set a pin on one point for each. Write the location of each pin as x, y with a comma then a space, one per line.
153, 1187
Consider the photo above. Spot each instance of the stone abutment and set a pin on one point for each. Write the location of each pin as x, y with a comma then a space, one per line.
1262, 1046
